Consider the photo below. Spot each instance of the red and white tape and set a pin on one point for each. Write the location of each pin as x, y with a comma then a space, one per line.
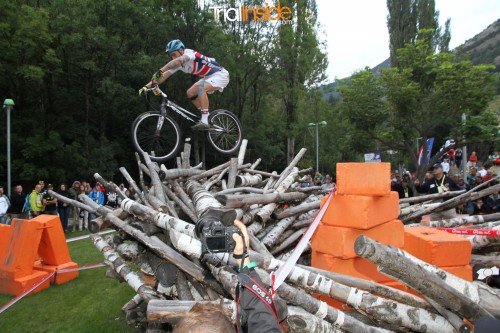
472, 232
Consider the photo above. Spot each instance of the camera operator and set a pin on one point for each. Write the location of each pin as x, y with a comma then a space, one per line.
257, 312
254, 301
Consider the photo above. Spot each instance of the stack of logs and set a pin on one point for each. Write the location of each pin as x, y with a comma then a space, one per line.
170, 273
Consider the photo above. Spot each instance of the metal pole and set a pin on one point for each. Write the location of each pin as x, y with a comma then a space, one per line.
9, 186
317, 145
464, 153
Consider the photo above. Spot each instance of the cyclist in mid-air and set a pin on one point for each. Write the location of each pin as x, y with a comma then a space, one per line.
214, 76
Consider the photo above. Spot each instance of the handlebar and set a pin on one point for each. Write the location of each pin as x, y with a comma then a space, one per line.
157, 91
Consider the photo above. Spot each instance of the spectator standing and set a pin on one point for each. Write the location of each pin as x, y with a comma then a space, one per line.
36, 203
446, 166
471, 177
96, 195
49, 201
63, 207
4, 206
439, 184
482, 171
458, 157
473, 159
404, 190
451, 155
328, 185
17, 199
83, 215
73, 194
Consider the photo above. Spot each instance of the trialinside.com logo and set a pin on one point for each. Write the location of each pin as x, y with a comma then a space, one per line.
241, 13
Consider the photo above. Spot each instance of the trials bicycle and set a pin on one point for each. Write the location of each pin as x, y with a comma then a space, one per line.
158, 134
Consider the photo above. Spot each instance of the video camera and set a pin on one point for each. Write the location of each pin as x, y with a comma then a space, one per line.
215, 229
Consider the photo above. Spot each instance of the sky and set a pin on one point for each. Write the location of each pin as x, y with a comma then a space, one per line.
356, 30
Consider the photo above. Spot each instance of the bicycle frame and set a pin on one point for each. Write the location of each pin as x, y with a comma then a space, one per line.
165, 102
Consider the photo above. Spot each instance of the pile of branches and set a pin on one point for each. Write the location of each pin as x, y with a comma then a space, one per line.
157, 252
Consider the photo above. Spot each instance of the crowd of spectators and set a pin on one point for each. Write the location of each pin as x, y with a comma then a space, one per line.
27, 205
323, 183
477, 173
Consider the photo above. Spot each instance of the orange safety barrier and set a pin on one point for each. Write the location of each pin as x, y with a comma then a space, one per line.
59, 278
361, 212
28, 240
464, 272
372, 179
5, 231
53, 248
339, 241
356, 267
437, 247
22, 249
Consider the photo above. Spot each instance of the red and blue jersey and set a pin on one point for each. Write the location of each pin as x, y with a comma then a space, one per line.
198, 64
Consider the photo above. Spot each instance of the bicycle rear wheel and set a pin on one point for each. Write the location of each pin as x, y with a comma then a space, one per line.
226, 133
161, 144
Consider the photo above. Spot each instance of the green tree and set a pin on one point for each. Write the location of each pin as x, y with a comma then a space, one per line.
425, 97
407, 17
301, 63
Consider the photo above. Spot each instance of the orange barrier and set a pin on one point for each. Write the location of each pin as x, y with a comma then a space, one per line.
23, 242
437, 247
372, 179
339, 241
356, 267
5, 231
59, 278
28, 240
361, 212
53, 248
463, 272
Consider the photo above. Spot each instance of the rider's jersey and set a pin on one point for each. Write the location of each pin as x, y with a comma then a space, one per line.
198, 64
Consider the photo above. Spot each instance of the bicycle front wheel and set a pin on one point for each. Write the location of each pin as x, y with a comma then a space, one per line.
159, 137
225, 133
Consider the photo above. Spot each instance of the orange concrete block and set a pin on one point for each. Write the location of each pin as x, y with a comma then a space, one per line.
339, 241
23, 242
5, 231
53, 248
59, 278
361, 212
463, 272
372, 179
437, 247
19, 285
356, 267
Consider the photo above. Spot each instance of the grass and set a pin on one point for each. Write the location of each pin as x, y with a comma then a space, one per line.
90, 303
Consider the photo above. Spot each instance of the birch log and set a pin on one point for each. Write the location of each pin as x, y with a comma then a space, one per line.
161, 249
466, 299
428, 197
457, 221
145, 291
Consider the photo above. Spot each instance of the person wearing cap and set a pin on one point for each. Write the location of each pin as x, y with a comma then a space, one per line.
49, 201
438, 184
404, 190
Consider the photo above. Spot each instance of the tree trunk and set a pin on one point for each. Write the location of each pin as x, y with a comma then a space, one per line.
408, 269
